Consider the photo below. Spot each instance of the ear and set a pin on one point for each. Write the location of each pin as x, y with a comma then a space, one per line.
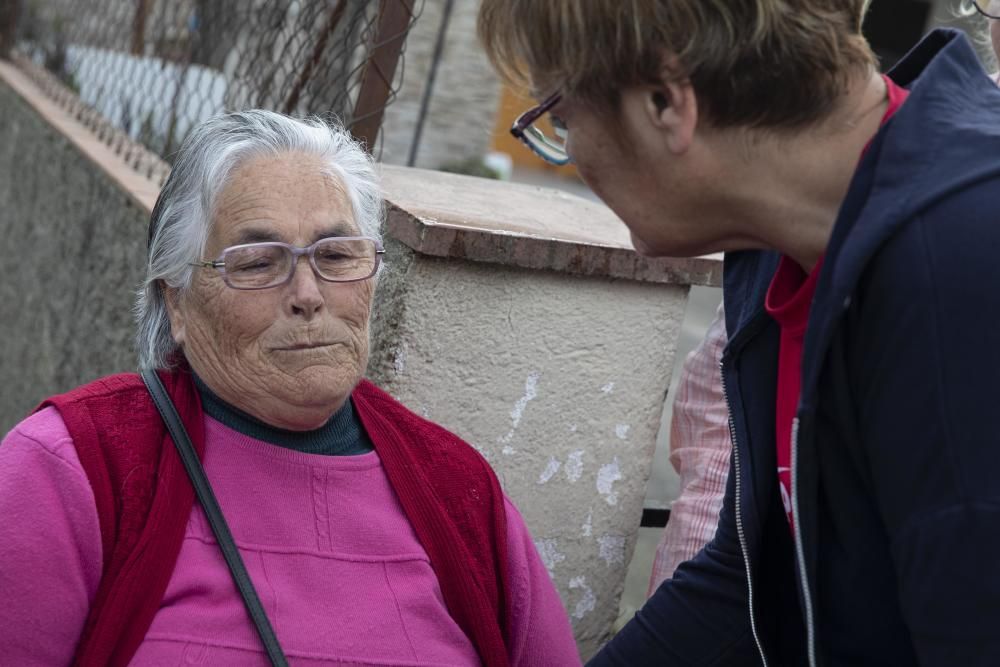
175, 311
671, 106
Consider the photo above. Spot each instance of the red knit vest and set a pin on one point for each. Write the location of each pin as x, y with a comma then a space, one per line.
144, 499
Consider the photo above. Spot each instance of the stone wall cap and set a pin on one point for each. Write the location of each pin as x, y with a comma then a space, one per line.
451, 215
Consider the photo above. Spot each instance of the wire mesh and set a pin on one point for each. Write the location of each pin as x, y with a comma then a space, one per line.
155, 69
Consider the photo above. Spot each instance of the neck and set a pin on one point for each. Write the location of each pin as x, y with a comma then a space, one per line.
341, 435
270, 403
788, 194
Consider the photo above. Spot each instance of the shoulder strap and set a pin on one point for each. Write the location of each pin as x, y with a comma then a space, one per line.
215, 518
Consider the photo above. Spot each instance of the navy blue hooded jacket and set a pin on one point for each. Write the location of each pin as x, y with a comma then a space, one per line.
896, 446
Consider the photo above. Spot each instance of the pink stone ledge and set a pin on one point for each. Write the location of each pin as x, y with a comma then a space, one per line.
450, 215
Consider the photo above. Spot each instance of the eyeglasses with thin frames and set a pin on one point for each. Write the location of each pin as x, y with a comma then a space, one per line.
551, 149
981, 6
340, 259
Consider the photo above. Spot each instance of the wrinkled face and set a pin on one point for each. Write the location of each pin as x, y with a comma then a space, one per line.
289, 355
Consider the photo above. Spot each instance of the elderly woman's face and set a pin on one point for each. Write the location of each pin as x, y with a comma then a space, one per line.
289, 355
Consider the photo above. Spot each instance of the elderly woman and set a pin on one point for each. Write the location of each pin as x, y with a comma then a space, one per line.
371, 536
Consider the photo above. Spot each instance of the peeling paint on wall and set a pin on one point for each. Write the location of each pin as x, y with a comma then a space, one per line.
588, 525
611, 548
399, 361
548, 550
606, 478
530, 393
550, 470
587, 600
621, 430
608, 388
574, 466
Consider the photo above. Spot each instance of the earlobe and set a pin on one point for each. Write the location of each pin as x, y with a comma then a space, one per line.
171, 297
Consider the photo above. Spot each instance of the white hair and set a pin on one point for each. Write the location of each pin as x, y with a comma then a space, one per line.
980, 33
181, 220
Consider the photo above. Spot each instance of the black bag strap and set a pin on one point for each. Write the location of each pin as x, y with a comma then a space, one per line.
214, 514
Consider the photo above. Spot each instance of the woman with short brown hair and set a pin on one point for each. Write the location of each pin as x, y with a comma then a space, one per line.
858, 214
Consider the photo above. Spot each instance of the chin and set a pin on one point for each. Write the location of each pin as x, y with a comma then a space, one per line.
647, 249
664, 248
318, 383
641, 247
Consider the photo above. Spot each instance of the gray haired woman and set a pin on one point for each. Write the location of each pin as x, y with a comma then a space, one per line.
370, 536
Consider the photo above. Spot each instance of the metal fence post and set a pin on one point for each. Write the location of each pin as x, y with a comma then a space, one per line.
9, 13
138, 42
376, 81
425, 99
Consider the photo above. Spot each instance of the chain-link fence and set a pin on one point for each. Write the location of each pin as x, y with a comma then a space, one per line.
156, 68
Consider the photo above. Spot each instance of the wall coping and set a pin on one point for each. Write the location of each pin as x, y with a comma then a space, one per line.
450, 215
434, 213
137, 171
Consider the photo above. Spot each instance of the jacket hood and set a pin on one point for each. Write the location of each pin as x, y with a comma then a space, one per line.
945, 138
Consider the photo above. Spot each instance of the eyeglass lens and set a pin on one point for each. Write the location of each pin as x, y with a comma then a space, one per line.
543, 131
262, 265
548, 136
984, 8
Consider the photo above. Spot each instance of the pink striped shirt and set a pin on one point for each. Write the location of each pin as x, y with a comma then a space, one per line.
336, 563
700, 447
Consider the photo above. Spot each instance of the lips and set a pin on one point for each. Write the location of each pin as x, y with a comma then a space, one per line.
302, 346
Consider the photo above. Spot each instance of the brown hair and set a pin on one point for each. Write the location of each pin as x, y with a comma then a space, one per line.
753, 63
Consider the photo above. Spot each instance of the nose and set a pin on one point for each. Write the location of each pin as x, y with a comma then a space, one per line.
305, 298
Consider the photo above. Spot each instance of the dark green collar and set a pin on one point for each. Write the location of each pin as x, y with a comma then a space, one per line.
342, 435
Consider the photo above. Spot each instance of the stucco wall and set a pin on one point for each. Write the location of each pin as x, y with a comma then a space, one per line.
71, 247
559, 381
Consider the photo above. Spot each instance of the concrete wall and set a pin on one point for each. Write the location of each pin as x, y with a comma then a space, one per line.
72, 246
532, 332
559, 381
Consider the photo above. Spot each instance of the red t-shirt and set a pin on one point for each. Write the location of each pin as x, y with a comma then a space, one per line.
788, 301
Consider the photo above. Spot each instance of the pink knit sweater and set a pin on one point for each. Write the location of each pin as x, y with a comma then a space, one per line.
337, 564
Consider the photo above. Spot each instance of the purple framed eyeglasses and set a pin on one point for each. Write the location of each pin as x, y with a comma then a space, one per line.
339, 259
551, 149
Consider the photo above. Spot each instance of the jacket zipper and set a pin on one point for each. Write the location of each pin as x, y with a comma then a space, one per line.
739, 517
799, 550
